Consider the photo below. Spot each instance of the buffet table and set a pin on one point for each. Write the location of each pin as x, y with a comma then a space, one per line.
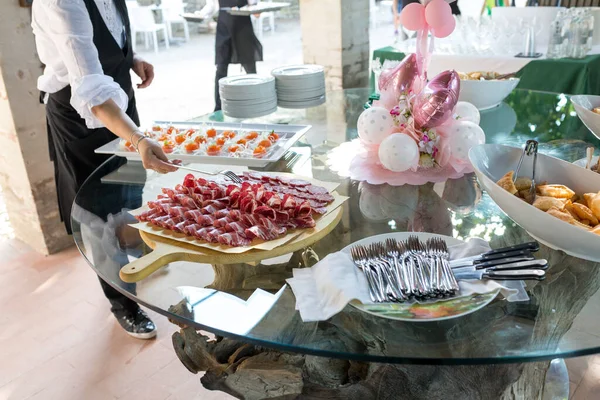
265, 349
571, 76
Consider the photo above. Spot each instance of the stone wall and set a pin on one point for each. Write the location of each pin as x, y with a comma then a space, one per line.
26, 173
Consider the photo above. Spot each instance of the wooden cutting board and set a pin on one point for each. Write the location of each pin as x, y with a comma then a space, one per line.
167, 250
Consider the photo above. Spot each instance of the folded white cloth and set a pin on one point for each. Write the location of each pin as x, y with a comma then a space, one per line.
325, 289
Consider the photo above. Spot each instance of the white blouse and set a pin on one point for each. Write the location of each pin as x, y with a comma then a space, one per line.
65, 42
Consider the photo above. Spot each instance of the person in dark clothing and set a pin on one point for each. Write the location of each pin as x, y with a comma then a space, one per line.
87, 88
235, 43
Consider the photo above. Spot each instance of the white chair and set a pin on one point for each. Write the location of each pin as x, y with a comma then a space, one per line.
258, 22
142, 21
172, 11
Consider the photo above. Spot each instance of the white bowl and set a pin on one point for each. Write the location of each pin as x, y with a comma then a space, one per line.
583, 106
492, 161
486, 94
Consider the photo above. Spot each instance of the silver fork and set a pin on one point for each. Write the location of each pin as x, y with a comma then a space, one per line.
379, 258
445, 256
393, 252
229, 174
358, 254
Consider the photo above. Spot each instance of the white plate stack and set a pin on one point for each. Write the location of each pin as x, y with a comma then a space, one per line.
248, 96
300, 86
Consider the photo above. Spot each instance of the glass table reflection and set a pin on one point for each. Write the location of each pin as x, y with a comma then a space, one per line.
252, 303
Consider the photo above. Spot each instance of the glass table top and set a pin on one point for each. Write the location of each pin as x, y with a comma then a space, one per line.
252, 302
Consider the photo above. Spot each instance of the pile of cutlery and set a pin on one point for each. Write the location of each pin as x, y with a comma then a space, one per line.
397, 271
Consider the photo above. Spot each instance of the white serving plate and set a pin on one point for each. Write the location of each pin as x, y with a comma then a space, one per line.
303, 72
486, 94
492, 161
452, 308
289, 135
258, 8
583, 105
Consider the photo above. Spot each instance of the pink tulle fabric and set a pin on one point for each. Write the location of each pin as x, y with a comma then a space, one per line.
364, 166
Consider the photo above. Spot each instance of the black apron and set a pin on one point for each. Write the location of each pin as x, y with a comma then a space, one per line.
71, 142
235, 41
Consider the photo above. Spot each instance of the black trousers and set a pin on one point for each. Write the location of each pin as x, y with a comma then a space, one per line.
222, 73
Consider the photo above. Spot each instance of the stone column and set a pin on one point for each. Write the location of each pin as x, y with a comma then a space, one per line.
335, 34
26, 173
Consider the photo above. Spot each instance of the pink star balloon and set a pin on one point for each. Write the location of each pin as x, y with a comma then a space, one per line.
435, 103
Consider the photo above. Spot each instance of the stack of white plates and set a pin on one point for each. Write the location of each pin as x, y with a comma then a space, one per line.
300, 86
248, 96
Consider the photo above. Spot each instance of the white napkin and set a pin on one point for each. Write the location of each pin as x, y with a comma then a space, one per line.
325, 289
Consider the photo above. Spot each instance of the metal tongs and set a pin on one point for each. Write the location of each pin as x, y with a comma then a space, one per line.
531, 149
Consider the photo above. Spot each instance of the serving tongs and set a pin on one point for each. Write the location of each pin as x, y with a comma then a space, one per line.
530, 150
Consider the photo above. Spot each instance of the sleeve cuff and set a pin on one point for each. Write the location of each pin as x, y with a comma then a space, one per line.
92, 90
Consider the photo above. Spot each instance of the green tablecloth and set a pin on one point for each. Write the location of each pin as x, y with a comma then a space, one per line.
569, 76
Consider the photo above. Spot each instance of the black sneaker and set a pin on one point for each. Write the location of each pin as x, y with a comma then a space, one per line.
136, 323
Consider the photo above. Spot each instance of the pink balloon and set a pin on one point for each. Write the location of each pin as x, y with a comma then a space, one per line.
434, 105
445, 30
399, 79
438, 14
413, 17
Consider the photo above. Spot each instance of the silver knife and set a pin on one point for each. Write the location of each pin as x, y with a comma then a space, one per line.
516, 274
527, 264
481, 264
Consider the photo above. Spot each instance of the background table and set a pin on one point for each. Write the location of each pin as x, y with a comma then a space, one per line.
267, 347
570, 76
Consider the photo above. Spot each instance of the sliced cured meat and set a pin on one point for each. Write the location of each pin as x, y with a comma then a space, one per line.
192, 230
222, 222
314, 189
325, 197
200, 218
246, 186
169, 192
274, 202
266, 211
298, 182
272, 226
213, 235
303, 210
250, 219
150, 214
201, 182
319, 210
185, 200
238, 227
288, 202
189, 181
305, 222
180, 227
231, 189
248, 205
260, 232
176, 211
232, 239
209, 209
281, 216
316, 203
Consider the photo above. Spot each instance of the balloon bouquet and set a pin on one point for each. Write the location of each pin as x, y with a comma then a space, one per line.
417, 131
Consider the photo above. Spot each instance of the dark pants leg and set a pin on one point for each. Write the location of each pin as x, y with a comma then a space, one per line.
118, 302
222, 73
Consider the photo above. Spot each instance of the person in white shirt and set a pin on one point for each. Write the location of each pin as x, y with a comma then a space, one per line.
85, 46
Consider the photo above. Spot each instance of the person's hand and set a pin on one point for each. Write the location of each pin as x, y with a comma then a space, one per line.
144, 70
153, 157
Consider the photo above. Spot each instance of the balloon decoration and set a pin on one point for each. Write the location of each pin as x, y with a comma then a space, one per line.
466, 112
434, 105
399, 153
374, 125
418, 131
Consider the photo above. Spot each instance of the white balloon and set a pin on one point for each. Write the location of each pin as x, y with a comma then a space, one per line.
464, 135
374, 125
467, 112
398, 152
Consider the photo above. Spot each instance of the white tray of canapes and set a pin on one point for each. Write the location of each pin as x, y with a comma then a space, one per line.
252, 145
